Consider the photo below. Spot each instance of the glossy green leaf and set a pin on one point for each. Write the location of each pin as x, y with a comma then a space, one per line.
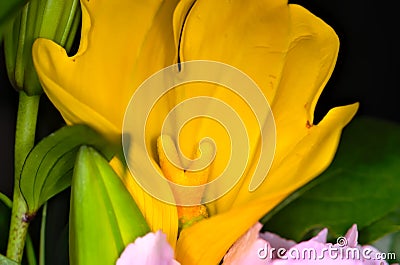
49, 166
361, 186
386, 225
104, 218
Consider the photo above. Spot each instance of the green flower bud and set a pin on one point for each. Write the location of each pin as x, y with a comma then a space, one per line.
104, 218
57, 20
7, 10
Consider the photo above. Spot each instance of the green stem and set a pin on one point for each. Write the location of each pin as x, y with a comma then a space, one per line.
4, 199
24, 141
30, 251
42, 248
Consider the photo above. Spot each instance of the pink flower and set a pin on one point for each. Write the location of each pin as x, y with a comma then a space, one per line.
152, 249
268, 248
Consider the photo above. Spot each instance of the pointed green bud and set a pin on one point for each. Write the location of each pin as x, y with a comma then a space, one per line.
57, 20
104, 218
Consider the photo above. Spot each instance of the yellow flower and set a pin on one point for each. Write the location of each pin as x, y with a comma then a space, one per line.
286, 50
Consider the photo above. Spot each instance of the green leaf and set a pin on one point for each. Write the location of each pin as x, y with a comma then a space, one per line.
103, 217
5, 200
361, 186
48, 168
386, 225
6, 261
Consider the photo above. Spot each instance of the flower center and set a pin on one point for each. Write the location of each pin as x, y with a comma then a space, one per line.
188, 215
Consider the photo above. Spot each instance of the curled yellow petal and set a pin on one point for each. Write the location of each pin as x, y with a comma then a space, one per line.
122, 43
307, 57
119, 40
313, 154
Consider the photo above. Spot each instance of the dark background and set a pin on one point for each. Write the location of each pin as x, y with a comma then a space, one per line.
367, 67
365, 72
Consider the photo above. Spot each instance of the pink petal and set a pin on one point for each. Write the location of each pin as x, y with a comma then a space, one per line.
249, 249
276, 241
321, 237
372, 256
313, 252
256, 249
352, 236
152, 249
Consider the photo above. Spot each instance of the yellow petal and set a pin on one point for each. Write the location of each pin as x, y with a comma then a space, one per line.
222, 230
313, 154
252, 37
159, 215
303, 150
308, 65
187, 214
180, 15
122, 43
255, 42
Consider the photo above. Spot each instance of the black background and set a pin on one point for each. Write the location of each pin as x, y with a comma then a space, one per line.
366, 72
